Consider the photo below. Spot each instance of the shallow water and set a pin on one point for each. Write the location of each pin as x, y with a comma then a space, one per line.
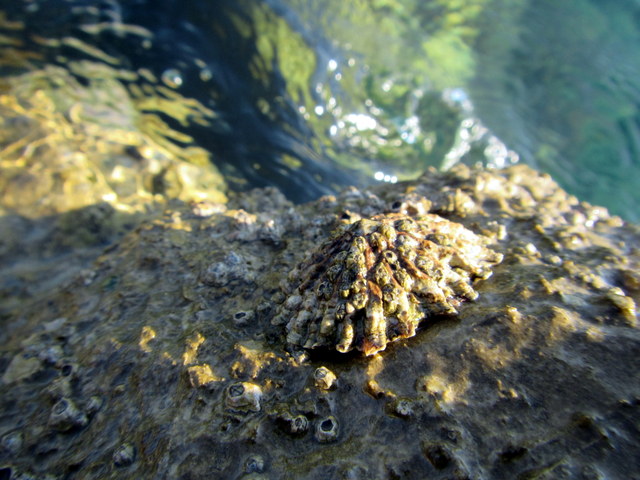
309, 96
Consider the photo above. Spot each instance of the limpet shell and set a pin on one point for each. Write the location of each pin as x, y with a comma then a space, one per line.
378, 278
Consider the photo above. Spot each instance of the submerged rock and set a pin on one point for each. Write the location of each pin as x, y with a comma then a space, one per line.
535, 378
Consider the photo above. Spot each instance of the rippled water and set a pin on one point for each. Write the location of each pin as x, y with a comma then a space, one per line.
311, 95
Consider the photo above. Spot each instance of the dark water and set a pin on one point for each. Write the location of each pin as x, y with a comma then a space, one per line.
312, 95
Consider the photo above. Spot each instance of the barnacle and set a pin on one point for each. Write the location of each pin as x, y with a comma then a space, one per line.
293, 424
124, 455
324, 379
244, 396
378, 278
327, 429
65, 416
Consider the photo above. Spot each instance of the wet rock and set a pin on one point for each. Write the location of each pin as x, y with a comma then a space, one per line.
538, 372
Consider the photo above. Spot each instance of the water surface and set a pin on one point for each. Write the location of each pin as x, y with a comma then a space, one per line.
310, 96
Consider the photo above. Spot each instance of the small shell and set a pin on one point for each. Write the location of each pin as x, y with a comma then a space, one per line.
327, 429
94, 404
291, 423
323, 378
254, 463
243, 317
124, 455
378, 278
244, 396
65, 415
295, 425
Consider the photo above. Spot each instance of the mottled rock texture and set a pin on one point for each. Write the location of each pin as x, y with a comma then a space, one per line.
170, 362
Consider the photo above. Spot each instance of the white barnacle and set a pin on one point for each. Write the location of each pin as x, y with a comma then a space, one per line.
327, 429
244, 396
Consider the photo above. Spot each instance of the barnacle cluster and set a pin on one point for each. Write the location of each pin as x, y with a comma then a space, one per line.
378, 278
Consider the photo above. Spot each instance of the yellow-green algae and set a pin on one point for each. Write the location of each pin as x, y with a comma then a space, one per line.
66, 145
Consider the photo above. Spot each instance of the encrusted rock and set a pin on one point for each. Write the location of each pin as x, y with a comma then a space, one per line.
538, 375
378, 278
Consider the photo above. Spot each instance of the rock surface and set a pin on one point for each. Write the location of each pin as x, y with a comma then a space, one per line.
163, 361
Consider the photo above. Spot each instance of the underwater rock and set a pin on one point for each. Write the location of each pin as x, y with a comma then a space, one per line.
378, 278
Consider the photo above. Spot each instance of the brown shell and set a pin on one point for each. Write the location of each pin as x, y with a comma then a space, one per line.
378, 278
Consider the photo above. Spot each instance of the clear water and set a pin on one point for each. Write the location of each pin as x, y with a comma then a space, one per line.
310, 95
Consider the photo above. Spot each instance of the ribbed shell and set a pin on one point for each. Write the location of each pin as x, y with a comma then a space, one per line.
378, 278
